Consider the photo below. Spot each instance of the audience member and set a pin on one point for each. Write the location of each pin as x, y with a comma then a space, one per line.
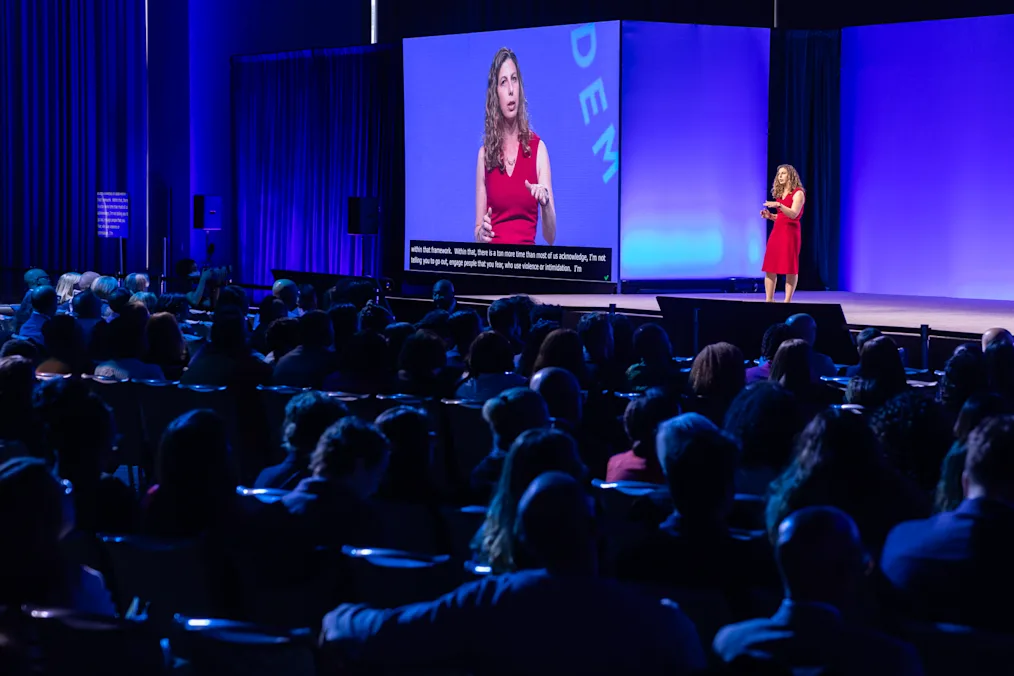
87, 312
881, 375
86, 281
409, 472
804, 326
227, 360
363, 366
19, 432
822, 565
65, 345
533, 347
641, 421
863, 337
344, 323
503, 319
282, 337
44, 306
915, 432
117, 300
34, 570
127, 345
307, 299
490, 368
623, 341
952, 567
286, 291
839, 463
562, 348
332, 507
165, 345
716, 377
137, 282
764, 419
654, 367
509, 414
269, 310
234, 298
523, 306
563, 396
999, 359
421, 366
464, 326
964, 375
396, 335
34, 279
375, 317
596, 333
436, 322
307, 416
443, 296
996, 335
311, 362
16, 347
66, 288
630, 632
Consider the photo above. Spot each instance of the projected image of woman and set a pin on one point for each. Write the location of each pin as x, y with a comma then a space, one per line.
782, 254
513, 181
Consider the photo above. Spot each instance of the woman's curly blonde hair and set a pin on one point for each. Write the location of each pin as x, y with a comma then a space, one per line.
794, 181
493, 133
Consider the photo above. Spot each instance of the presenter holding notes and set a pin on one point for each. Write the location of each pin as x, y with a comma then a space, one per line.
782, 254
513, 181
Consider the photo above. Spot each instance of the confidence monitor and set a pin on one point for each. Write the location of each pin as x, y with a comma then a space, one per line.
743, 324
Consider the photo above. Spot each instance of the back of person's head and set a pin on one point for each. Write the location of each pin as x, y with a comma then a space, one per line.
16, 347
307, 297
86, 281
366, 354
353, 452
623, 339
464, 326
916, 432
396, 335
229, 331
534, 452
307, 416
64, 339
490, 353
651, 345
136, 282
556, 527
791, 365
881, 360
443, 295
513, 412
865, 336
78, 429
66, 286
718, 372
408, 431
964, 375
166, 344
86, 305
774, 336
562, 392
596, 332
344, 322
195, 461
271, 308
36, 277
185, 267
562, 348
104, 286
282, 337
359, 292
820, 556
436, 321
175, 304
422, 356
118, 299
643, 416
1000, 367
977, 408
989, 465
375, 317
523, 306
803, 326
127, 332
145, 298
44, 300
503, 319
17, 383
232, 297
996, 335
699, 462
315, 330
533, 346
764, 419
839, 440
286, 291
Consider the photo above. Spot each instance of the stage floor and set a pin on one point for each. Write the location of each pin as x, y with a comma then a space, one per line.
861, 309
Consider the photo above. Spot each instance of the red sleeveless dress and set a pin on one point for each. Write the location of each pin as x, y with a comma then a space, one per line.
515, 212
782, 254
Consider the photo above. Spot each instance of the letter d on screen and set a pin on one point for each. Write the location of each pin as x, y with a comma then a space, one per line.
585, 31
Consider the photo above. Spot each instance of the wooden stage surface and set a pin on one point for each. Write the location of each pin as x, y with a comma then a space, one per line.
861, 309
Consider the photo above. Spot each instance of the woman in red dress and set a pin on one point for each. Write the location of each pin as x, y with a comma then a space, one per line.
782, 255
512, 177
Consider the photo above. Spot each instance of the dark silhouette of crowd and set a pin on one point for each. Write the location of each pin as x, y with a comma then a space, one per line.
485, 490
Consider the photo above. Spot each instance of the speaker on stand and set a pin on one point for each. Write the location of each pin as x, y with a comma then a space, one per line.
364, 221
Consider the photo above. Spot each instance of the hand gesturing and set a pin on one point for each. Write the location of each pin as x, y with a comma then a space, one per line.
485, 234
539, 192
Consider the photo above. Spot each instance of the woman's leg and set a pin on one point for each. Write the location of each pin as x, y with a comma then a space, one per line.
790, 286
770, 281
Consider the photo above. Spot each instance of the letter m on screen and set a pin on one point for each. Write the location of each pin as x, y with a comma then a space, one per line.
611, 155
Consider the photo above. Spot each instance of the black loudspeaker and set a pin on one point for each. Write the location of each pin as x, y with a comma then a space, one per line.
207, 212
364, 216
743, 324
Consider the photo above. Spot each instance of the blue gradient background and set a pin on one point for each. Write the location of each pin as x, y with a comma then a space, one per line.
927, 167
694, 156
445, 94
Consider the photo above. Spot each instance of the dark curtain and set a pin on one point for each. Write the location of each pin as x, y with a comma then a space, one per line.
311, 129
73, 120
803, 130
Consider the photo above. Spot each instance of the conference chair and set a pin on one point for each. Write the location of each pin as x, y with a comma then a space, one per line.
216, 647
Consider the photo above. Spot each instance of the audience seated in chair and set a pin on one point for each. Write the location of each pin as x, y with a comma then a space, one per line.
137, 282
87, 313
533, 453
116, 300
344, 322
307, 299
822, 564
127, 346
881, 375
34, 278
840, 463
227, 360
999, 357
270, 309
774, 336
307, 416
66, 348
863, 337
44, 305
654, 367
33, 570
533, 347
915, 432
764, 420
308, 364
443, 296
716, 377
964, 375
503, 319
374, 317
165, 345
463, 326
421, 367
363, 366
509, 414
65, 289
694, 547
145, 298
409, 473
563, 349
286, 291
80, 437
512, 623
641, 421
596, 332
804, 327
19, 429
282, 337
955, 567
490, 367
